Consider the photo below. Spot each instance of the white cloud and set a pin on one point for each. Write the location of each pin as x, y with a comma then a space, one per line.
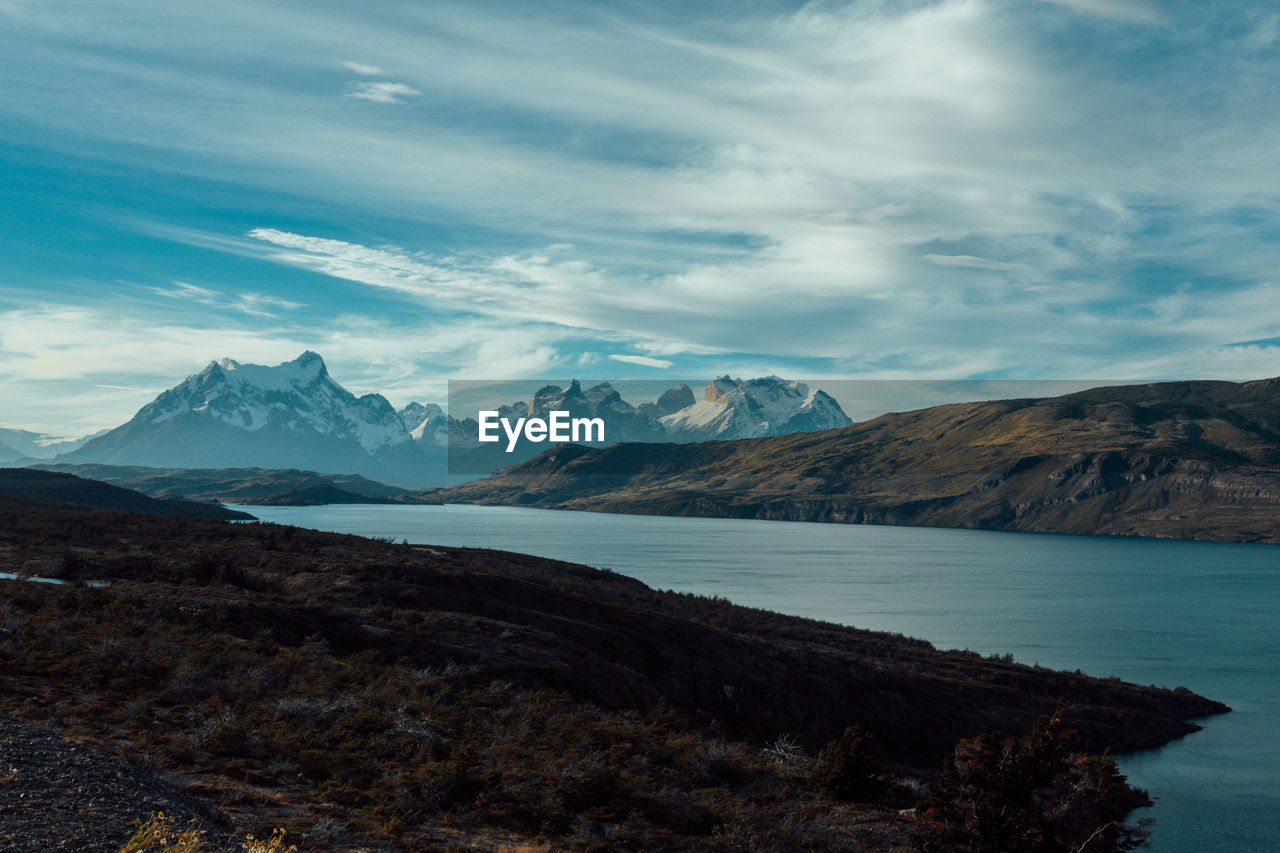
382, 92
827, 184
364, 70
643, 360
973, 262
65, 364
255, 304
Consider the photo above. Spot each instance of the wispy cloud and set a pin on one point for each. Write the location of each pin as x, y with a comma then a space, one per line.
382, 92
1146, 11
255, 304
364, 70
972, 262
644, 361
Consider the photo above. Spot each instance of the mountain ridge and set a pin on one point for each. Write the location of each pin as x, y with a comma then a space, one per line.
296, 416
1194, 459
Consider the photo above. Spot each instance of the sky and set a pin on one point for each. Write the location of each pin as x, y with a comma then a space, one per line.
978, 189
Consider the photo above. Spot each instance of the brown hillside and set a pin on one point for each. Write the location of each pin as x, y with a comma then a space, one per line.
1193, 460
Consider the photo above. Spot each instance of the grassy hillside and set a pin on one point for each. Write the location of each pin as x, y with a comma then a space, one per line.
1194, 460
50, 486
365, 693
285, 486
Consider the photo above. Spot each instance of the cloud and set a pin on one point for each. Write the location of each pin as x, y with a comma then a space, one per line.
382, 92
972, 262
255, 304
1145, 11
643, 360
864, 188
364, 70
66, 364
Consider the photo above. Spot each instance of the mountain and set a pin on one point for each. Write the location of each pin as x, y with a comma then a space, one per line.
427, 423
27, 484
19, 443
669, 402
296, 416
1186, 460
293, 415
732, 408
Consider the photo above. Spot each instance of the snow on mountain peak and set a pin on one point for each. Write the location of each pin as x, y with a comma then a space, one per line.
297, 396
770, 405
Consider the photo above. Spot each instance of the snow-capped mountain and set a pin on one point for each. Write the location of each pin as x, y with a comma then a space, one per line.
623, 422
427, 423
732, 408
20, 443
293, 415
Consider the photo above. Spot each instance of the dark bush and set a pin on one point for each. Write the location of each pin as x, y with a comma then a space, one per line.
1033, 792
848, 770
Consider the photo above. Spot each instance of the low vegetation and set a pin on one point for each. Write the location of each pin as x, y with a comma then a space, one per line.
284, 486
1031, 792
361, 693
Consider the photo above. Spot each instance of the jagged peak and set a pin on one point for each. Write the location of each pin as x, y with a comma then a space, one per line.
307, 357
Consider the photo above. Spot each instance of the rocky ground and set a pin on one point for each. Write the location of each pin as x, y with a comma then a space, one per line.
56, 795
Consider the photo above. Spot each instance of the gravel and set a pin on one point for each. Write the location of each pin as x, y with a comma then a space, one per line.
59, 796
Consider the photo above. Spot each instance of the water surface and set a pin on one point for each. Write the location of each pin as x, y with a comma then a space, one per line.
1202, 615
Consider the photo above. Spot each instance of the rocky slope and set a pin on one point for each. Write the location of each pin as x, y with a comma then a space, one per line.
1193, 460
56, 795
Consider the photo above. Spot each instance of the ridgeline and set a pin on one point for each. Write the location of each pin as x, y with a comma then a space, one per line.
1178, 460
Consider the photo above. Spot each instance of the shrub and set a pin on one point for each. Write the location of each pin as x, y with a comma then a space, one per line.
848, 770
1033, 792
159, 835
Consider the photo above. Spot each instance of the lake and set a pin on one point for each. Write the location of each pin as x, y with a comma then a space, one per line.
1199, 614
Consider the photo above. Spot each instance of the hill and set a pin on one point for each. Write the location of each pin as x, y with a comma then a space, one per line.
263, 486
1186, 460
370, 694
59, 488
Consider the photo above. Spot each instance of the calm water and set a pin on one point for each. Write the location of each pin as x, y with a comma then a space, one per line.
1203, 615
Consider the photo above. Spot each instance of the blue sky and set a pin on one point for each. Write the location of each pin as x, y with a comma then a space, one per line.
425, 191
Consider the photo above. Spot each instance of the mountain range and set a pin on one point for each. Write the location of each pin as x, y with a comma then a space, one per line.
295, 415
23, 444
1187, 460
